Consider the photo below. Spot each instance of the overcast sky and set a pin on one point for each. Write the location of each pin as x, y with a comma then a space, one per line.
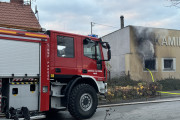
76, 15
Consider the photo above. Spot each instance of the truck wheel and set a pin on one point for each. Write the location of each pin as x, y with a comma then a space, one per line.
83, 101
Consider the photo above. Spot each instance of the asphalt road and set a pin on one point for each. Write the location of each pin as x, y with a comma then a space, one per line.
151, 111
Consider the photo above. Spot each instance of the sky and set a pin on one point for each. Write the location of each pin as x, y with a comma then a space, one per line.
75, 16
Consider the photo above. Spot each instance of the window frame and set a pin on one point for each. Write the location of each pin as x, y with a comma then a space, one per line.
169, 70
73, 46
156, 65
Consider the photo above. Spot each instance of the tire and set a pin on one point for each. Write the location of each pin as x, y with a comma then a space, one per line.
83, 101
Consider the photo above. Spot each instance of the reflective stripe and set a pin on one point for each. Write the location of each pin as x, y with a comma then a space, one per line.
22, 83
28, 34
36, 35
7, 31
20, 37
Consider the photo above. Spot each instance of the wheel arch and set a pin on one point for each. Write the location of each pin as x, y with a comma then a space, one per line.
88, 80
80, 80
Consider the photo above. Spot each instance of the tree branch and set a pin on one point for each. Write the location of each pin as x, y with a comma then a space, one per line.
175, 3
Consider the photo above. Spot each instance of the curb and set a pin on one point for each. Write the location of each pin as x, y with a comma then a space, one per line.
134, 103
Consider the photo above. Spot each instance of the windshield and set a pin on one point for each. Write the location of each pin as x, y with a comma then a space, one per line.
92, 50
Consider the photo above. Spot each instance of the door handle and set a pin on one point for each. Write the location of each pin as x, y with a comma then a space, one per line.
84, 71
58, 70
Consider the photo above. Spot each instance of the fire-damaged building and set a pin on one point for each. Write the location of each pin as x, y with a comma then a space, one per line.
136, 49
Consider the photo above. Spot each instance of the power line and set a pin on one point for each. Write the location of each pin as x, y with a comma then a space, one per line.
104, 25
93, 23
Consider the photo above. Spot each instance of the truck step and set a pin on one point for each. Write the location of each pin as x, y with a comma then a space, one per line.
59, 108
2, 115
59, 84
58, 95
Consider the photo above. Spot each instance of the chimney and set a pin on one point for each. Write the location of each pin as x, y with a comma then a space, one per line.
122, 21
17, 1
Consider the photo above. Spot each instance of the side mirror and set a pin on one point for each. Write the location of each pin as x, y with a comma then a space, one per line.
108, 46
109, 54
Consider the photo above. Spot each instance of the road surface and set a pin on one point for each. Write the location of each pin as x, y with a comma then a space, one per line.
151, 111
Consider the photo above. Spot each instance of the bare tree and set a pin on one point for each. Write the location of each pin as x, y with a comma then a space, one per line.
175, 3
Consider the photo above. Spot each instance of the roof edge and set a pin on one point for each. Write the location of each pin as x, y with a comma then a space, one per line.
21, 27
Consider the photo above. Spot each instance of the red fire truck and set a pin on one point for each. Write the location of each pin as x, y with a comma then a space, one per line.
41, 73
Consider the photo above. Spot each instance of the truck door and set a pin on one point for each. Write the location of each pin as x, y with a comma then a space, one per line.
91, 55
65, 54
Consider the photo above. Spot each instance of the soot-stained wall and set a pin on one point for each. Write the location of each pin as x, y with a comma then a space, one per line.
143, 48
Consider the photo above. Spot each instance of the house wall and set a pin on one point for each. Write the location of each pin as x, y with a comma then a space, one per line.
128, 54
120, 46
167, 46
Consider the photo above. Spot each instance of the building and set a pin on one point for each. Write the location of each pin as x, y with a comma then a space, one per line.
136, 49
18, 15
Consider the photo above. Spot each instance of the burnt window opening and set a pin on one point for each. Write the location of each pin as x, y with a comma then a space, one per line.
150, 64
169, 64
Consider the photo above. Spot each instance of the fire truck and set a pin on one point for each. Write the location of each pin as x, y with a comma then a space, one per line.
51, 71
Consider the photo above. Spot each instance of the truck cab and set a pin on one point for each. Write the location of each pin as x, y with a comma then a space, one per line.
78, 61
72, 55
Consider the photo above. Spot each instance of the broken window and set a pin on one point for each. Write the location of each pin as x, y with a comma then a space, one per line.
168, 64
150, 64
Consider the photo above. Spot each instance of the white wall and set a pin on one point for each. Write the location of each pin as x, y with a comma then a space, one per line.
120, 46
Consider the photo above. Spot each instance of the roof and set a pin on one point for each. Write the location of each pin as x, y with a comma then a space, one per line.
18, 16
138, 26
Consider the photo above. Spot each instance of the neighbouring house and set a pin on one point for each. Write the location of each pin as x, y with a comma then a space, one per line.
18, 14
